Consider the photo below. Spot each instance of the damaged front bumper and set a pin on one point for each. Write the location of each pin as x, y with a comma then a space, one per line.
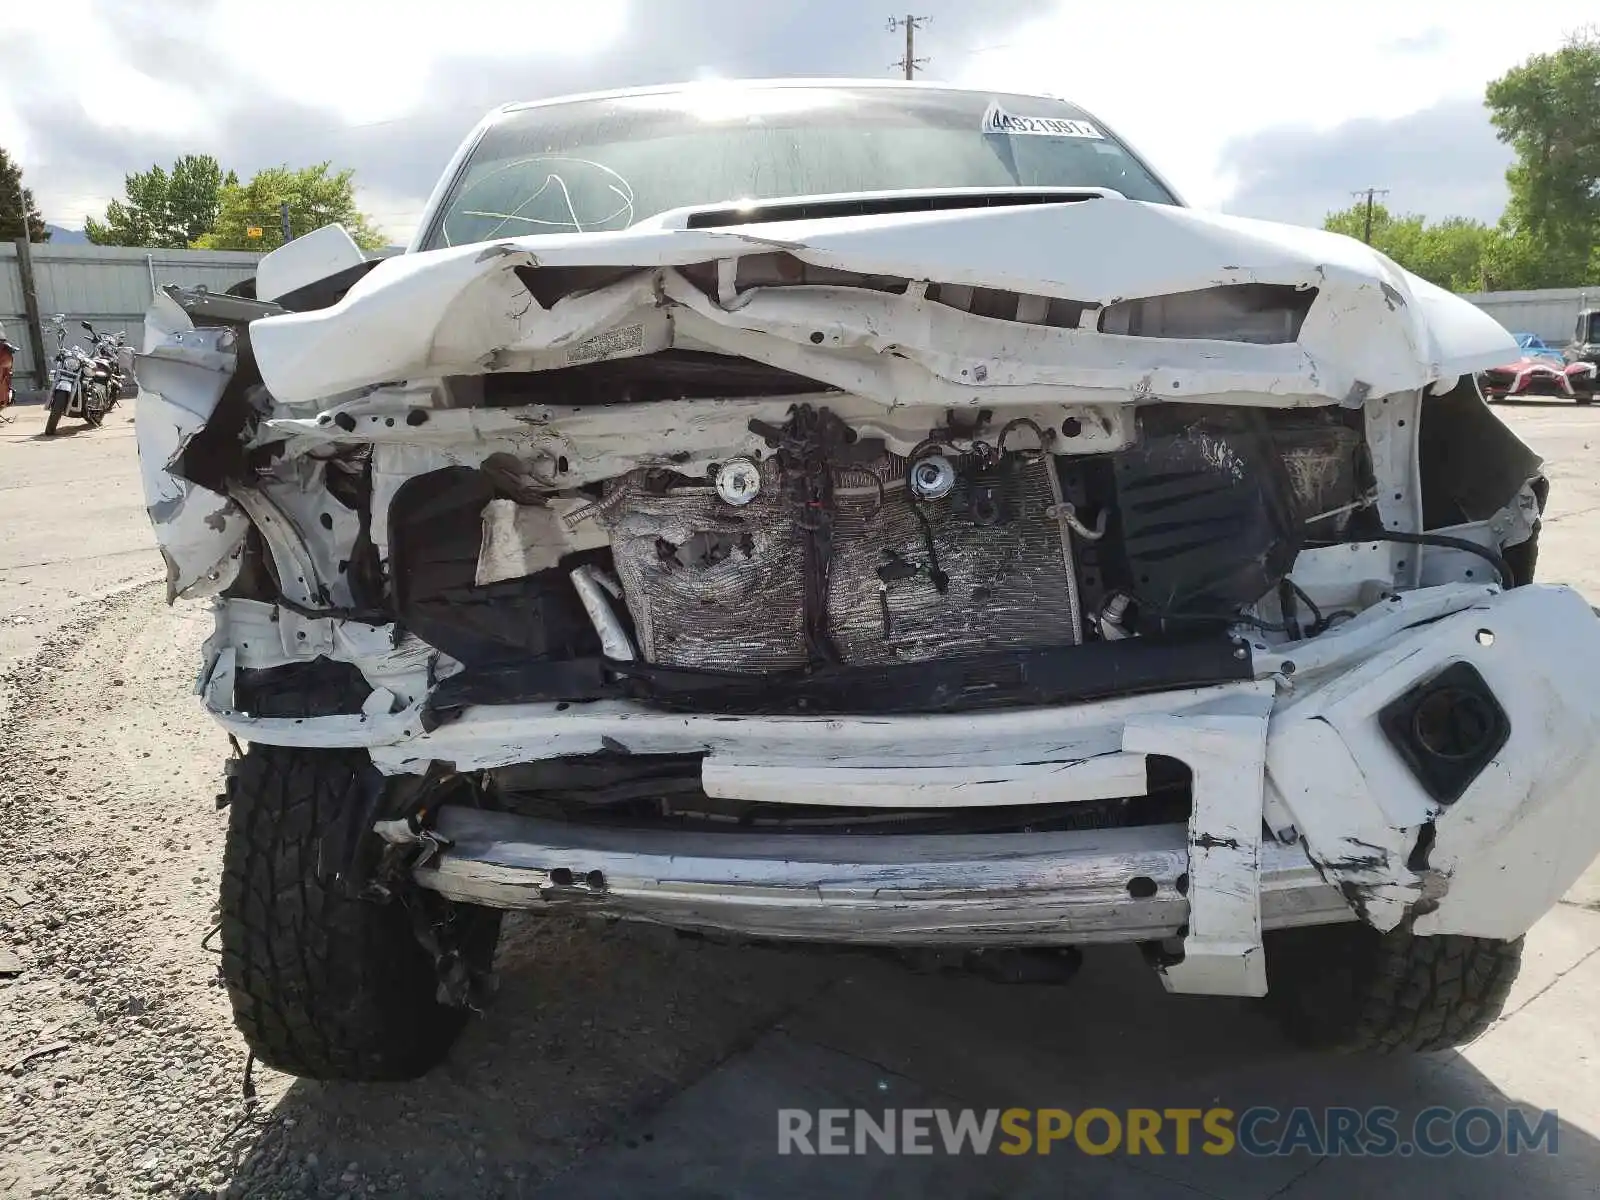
1057, 889
1434, 762
1429, 762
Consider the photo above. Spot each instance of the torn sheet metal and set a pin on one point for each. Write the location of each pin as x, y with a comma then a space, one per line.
493, 736
262, 636
603, 442
182, 375
1224, 745
1039, 888
520, 539
1499, 856
1372, 329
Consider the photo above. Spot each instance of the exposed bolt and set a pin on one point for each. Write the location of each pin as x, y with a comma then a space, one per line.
738, 481
932, 477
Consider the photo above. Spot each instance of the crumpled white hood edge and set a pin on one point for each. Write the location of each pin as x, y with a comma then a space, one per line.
1373, 329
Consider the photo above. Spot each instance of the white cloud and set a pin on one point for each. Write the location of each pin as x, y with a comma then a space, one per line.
385, 87
116, 96
1179, 80
14, 131
395, 215
367, 60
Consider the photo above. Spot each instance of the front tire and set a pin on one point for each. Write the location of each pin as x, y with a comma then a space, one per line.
58, 408
322, 985
1351, 989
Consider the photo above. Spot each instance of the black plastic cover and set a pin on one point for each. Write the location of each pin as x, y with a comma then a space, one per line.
1206, 513
1447, 729
435, 530
322, 687
1002, 679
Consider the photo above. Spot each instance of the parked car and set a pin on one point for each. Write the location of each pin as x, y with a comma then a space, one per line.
1533, 346
864, 514
1541, 371
1585, 344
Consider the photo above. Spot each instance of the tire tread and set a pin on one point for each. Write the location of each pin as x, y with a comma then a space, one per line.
1352, 989
322, 985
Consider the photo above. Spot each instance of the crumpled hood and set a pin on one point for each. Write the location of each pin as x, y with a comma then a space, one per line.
1373, 328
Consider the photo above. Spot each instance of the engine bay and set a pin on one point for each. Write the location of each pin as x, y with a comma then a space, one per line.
984, 565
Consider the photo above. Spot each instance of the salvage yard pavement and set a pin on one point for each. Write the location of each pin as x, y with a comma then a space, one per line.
614, 1061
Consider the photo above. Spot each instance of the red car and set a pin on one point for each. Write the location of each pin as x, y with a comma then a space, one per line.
8, 354
1541, 372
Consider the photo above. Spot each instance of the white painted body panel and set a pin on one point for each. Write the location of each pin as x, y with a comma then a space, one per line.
305, 260
1505, 851
1374, 329
182, 374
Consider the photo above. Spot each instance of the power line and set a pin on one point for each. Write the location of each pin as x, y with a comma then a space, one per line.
984, 49
911, 22
1369, 193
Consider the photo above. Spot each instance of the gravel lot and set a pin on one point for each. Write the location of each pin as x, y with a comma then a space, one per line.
121, 1073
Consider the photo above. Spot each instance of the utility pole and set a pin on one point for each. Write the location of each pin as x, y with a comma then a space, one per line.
911, 23
283, 214
30, 297
1369, 193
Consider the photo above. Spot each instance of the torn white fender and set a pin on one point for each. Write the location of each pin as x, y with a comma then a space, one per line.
1493, 860
182, 375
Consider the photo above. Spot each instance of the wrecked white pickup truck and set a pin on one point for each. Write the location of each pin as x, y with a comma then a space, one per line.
864, 514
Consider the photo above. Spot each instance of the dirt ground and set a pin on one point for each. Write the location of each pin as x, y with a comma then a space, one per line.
121, 1072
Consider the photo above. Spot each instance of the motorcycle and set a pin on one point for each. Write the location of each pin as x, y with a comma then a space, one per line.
86, 385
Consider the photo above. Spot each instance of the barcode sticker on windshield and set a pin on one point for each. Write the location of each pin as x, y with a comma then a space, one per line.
998, 120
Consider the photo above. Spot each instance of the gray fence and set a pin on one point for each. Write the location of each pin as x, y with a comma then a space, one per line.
108, 286
1552, 314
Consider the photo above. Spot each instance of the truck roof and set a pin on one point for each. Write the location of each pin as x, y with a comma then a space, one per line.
753, 84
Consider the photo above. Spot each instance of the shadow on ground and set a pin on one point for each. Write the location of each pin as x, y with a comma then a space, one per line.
628, 1064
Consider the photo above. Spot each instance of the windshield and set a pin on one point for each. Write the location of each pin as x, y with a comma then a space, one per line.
1594, 328
602, 164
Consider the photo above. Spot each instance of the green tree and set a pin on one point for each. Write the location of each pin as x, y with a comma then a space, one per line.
1516, 260
1449, 253
11, 215
1548, 111
166, 210
315, 198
